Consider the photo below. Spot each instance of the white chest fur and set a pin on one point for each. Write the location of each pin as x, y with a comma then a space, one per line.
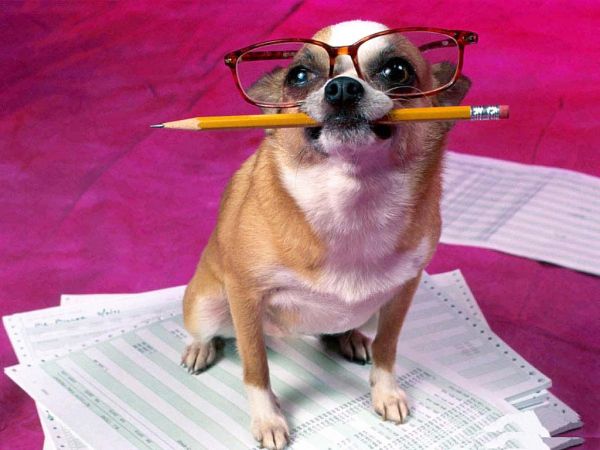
360, 220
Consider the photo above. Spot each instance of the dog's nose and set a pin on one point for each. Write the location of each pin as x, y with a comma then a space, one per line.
342, 91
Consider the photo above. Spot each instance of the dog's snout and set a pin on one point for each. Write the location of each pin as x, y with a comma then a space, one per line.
342, 91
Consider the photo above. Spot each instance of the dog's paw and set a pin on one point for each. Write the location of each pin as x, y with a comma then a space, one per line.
389, 401
390, 405
355, 346
198, 356
268, 424
271, 432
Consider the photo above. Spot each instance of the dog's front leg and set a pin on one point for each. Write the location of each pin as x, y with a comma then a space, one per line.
268, 425
388, 399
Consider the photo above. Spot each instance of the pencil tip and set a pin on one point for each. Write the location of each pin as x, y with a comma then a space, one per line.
158, 125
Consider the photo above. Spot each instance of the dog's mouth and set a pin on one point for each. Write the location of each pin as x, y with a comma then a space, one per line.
344, 124
382, 131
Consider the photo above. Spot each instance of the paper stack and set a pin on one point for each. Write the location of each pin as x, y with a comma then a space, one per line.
104, 371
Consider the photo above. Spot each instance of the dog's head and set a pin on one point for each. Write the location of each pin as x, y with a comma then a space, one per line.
346, 103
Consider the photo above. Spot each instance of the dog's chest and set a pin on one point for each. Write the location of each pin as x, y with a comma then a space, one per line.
343, 297
360, 222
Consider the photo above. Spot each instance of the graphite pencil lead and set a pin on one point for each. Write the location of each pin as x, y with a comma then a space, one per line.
158, 125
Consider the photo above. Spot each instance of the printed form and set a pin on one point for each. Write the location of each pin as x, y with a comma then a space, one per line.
100, 307
544, 213
135, 394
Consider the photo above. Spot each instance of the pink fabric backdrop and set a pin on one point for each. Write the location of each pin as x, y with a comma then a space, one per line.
93, 200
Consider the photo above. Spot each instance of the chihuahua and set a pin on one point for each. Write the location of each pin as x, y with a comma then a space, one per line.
323, 228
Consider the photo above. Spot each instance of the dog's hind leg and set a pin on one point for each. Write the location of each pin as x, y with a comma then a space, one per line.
206, 317
352, 344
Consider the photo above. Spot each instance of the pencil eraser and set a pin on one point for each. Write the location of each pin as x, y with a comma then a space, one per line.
504, 109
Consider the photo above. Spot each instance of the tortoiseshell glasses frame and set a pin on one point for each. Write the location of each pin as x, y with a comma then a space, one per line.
458, 38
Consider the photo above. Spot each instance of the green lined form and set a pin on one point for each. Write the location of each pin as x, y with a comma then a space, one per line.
134, 435
135, 385
133, 391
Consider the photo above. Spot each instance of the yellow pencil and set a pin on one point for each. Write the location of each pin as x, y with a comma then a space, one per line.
491, 112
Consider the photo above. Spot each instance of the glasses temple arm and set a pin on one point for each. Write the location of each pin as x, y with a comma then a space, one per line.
268, 55
438, 44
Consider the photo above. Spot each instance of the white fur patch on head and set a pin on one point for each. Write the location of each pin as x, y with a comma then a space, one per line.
347, 33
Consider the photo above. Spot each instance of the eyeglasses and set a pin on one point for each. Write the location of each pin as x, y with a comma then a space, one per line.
389, 61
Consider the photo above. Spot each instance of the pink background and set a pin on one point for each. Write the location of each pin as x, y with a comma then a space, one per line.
93, 200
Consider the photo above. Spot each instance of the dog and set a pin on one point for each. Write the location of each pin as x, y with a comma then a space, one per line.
321, 229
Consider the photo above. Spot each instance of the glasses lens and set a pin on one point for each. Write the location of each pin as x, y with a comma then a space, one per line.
392, 62
283, 73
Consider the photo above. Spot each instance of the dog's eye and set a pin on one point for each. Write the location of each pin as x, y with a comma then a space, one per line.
398, 72
298, 76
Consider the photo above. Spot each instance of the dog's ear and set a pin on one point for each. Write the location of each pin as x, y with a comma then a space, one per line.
269, 89
452, 96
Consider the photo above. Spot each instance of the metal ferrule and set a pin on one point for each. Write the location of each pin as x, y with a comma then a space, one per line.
491, 112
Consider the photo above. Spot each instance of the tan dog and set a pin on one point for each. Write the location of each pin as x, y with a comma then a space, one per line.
321, 229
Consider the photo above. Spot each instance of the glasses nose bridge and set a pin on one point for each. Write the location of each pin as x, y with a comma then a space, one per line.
344, 50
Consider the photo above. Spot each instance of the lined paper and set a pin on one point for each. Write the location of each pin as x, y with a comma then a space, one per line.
556, 415
543, 213
52, 332
133, 390
441, 333
87, 309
